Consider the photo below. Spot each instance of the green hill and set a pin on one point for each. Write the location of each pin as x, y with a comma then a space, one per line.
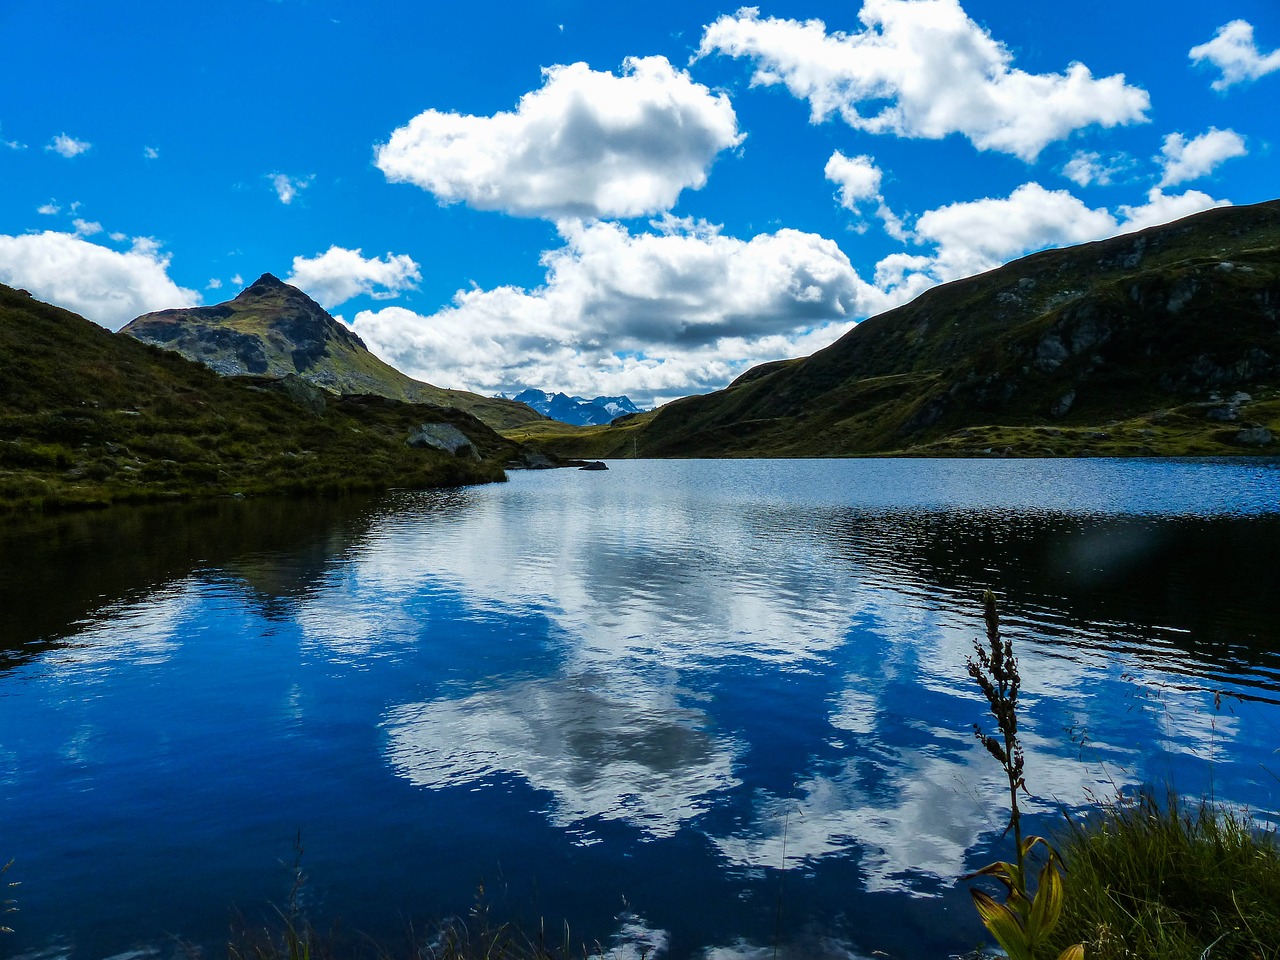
90, 417
274, 330
1163, 342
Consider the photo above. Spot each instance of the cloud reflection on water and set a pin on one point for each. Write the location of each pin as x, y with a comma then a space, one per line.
649, 600
636, 755
143, 632
655, 607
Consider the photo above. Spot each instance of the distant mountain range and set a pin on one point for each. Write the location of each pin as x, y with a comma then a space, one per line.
576, 410
273, 329
1160, 342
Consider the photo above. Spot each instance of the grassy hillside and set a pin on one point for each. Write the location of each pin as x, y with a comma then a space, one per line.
1162, 342
275, 330
89, 417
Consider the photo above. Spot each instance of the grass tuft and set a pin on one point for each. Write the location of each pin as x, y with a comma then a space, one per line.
1169, 879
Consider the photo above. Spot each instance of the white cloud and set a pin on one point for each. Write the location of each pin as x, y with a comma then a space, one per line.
1164, 208
1089, 167
338, 274
214, 284
977, 235
86, 228
104, 285
1233, 51
924, 69
48, 209
237, 280
13, 144
662, 314
287, 188
1184, 159
859, 181
67, 146
857, 177
587, 144
974, 236
151, 153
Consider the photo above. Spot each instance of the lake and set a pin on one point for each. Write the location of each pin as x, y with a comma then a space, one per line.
707, 709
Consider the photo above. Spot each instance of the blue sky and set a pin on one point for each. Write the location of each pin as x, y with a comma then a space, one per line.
607, 198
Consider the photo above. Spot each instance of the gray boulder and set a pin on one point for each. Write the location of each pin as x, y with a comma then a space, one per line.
443, 436
1254, 437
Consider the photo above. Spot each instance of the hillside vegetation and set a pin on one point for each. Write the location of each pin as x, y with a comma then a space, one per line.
1163, 342
89, 417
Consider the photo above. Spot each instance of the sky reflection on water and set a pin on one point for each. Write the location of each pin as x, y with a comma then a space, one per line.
671, 683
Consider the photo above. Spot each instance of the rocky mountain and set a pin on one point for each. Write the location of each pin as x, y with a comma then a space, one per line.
273, 329
1165, 341
88, 418
576, 410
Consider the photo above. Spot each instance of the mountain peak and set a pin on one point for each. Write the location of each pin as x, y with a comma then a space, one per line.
268, 283
273, 329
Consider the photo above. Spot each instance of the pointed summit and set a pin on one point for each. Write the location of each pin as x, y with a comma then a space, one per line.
273, 329
269, 286
268, 281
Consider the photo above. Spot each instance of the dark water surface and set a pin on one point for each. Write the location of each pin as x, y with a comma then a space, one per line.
711, 708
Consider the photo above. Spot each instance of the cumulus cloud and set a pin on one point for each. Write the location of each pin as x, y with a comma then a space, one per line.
1184, 159
151, 153
924, 69
338, 274
859, 181
67, 146
587, 144
971, 237
1088, 167
857, 177
977, 235
658, 314
107, 286
286, 187
1164, 208
1234, 51
86, 228
48, 209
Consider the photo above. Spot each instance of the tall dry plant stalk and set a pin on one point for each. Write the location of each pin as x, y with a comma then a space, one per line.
1021, 924
995, 668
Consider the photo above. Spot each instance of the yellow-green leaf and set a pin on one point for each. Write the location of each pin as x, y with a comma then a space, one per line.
1003, 924
1030, 843
1047, 906
1074, 952
1004, 872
